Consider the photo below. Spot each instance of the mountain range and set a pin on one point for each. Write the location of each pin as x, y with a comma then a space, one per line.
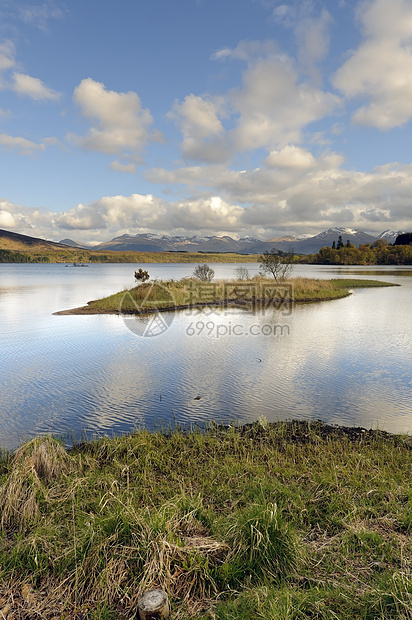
148, 242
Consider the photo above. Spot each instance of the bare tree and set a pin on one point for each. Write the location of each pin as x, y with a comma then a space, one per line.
277, 263
241, 273
204, 273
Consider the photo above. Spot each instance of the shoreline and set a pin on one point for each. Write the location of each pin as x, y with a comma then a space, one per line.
89, 310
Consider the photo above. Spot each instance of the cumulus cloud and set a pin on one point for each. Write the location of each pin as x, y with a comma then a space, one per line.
201, 126
21, 145
296, 191
82, 217
269, 110
119, 123
21, 83
274, 105
7, 219
146, 212
33, 87
258, 202
380, 70
291, 156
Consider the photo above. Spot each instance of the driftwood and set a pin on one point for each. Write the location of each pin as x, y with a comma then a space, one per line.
154, 605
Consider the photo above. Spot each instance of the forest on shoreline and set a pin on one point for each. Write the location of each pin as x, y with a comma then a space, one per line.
380, 253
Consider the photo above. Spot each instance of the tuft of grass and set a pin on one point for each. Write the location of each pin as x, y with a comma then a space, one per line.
291, 520
33, 467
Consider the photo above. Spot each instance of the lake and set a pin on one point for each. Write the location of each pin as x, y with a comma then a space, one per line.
346, 362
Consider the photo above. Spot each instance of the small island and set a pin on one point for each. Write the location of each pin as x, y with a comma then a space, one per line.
171, 295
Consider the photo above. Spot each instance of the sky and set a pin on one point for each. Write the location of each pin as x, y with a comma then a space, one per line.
204, 117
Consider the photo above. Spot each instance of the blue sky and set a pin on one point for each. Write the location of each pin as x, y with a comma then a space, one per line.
239, 117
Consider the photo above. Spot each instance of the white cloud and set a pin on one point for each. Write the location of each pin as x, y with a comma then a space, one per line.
380, 70
311, 32
300, 193
138, 212
119, 123
7, 52
80, 218
248, 51
269, 110
291, 156
256, 202
7, 219
39, 15
21, 83
312, 37
118, 166
33, 87
274, 106
202, 129
22, 145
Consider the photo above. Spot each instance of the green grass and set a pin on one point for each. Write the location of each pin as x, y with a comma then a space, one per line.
172, 294
358, 283
276, 521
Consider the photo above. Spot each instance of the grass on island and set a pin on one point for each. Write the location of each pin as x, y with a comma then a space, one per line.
285, 521
189, 292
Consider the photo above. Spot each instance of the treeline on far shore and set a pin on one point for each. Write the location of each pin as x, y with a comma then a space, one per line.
380, 253
84, 256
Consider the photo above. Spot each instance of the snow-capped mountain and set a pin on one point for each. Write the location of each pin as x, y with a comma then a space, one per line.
302, 244
389, 235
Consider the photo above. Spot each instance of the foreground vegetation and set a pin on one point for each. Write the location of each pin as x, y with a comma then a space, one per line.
274, 521
190, 292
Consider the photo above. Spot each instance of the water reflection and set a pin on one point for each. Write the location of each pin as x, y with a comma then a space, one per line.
346, 361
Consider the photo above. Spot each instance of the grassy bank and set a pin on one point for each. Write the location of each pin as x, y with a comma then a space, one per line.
74, 255
274, 521
190, 292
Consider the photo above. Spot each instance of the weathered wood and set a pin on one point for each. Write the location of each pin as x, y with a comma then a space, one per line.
154, 605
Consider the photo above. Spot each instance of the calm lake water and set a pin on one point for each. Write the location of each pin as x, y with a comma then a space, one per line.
346, 362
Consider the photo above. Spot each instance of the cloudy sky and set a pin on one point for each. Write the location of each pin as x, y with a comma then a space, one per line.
239, 117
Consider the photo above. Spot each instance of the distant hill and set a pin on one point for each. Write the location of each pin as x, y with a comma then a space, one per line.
389, 235
327, 237
15, 241
248, 245
147, 242
74, 244
150, 242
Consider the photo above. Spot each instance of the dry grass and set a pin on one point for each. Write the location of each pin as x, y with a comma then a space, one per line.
33, 466
287, 521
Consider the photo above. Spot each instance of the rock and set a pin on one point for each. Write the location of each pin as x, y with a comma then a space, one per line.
154, 605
